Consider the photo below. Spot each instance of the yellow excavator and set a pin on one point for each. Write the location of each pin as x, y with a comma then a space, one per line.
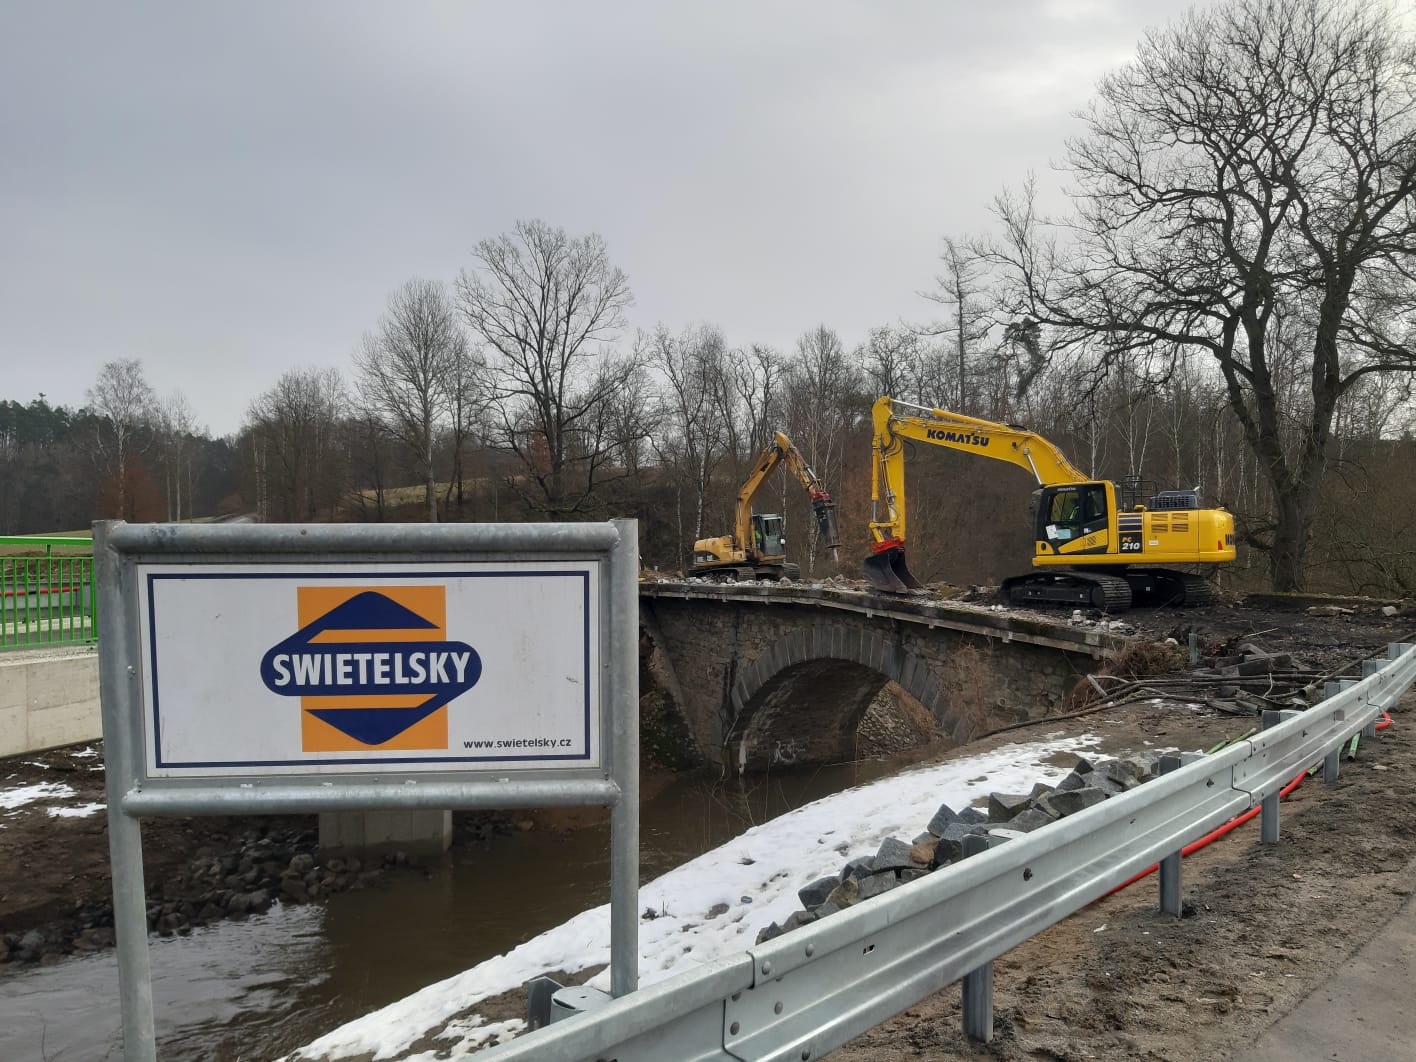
1097, 544
757, 547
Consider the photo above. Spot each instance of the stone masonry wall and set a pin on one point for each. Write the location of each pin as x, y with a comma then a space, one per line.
787, 683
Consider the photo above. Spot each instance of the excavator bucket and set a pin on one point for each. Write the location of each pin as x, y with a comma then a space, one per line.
887, 571
825, 510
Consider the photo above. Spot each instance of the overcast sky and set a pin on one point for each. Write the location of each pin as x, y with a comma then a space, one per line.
230, 191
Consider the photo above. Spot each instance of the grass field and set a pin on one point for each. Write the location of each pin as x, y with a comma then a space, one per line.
11, 548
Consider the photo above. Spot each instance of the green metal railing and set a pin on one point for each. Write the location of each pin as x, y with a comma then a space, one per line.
46, 599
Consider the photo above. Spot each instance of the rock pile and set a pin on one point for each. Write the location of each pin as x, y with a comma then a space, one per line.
1008, 815
1238, 679
261, 867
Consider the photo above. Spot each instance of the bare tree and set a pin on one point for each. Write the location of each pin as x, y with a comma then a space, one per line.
369, 446
693, 365
547, 306
1253, 169
636, 416
467, 401
960, 289
177, 428
823, 391
293, 431
124, 404
405, 369
891, 359
751, 407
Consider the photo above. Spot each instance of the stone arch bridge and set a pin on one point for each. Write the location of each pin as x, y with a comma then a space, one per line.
782, 674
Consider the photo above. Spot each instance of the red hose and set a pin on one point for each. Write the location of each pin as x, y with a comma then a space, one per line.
1238, 820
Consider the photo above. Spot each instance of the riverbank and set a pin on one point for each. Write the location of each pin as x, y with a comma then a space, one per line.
54, 855
55, 885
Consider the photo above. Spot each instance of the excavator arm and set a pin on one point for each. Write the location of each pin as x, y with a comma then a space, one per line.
938, 427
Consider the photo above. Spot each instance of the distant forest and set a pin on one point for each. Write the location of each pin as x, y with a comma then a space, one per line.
676, 462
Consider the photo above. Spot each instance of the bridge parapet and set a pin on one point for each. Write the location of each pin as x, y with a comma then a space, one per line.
930, 611
774, 673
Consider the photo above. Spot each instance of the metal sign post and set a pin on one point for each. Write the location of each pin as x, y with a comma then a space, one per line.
253, 669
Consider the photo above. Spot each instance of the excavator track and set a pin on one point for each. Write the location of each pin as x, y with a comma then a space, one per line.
1109, 593
748, 573
1198, 590
1162, 587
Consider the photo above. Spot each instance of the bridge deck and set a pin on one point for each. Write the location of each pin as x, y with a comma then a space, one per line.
1010, 625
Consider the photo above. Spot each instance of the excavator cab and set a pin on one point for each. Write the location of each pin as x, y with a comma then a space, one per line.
1067, 514
769, 536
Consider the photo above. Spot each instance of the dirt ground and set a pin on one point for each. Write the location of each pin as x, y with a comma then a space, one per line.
1263, 927
1264, 924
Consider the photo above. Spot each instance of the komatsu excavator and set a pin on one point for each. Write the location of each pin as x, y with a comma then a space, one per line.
757, 547
1096, 544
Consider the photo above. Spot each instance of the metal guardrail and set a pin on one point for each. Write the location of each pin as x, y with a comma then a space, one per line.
47, 600
811, 990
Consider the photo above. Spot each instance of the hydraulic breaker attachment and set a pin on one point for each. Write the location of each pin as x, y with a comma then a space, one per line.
825, 510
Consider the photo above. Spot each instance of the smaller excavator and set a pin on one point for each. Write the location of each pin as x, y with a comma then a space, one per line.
1097, 544
757, 547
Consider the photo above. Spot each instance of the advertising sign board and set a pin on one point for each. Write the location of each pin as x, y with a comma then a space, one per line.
287, 669
361, 668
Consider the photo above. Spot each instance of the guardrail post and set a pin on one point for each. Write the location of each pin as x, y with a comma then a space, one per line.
978, 983
1351, 745
1332, 761
1370, 668
1268, 815
1170, 865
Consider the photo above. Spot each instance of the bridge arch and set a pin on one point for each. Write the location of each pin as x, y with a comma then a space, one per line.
747, 675
803, 697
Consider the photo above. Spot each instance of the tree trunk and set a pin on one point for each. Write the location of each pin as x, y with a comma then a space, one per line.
1290, 544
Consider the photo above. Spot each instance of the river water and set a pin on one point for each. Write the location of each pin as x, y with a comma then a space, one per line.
262, 987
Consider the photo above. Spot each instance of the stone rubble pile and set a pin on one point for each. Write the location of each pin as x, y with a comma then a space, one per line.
1008, 815
1250, 680
1240, 679
263, 867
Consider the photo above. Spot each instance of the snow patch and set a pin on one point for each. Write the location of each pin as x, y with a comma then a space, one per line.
473, 1032
79, 811
755, 876
19, 796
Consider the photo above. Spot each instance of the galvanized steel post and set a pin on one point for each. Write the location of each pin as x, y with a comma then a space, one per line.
1332, 759
1170, 866
1369, 668
978, 983
1343, 684
118, 699
623, 662
1268, 816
